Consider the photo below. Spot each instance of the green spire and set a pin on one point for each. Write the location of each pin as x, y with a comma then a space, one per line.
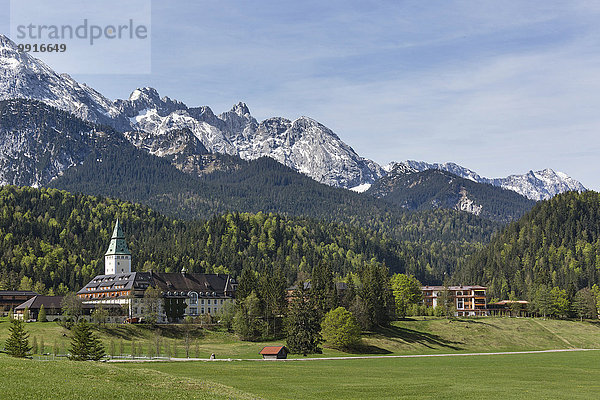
117, 242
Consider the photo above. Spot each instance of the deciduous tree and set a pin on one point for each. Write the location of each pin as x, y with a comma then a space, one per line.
340, 329
407, 291
584, 304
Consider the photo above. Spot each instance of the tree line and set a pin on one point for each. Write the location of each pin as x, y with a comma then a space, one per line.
52, 241
555, 245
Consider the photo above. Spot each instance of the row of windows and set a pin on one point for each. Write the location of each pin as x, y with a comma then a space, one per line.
194, 311
118, 257
194, 301
102, 295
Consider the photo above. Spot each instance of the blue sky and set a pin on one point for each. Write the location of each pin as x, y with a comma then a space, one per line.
500, 87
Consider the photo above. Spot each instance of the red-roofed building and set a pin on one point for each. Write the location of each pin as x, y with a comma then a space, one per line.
274, 352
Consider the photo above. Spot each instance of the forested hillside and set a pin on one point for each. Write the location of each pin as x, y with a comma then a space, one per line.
51, 147
96, 160
433, 189
50, 238
556, 244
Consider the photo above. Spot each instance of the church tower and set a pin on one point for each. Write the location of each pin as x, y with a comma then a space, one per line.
117, 259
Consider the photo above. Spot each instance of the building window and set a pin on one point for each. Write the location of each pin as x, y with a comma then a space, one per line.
460, 304
202, 310
193, 298
193, 311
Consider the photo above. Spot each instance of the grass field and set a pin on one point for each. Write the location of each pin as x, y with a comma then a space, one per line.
416, 336
28, 379
574, 375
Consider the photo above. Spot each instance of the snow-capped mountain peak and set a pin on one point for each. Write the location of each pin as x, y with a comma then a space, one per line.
535, 185
303, 144
23, 76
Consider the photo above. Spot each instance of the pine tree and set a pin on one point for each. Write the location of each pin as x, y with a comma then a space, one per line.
84, 344
303, 324
42, 314
17, 344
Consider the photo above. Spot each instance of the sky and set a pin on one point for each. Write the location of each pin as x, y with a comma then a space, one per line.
500, 87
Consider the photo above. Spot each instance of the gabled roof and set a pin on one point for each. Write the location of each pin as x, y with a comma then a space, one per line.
505, 302
272, 350
36, 302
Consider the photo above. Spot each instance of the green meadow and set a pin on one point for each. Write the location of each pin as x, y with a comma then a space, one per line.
415, 336
567, 375
573, 375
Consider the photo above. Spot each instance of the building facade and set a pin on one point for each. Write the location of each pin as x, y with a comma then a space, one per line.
469, 301
119, 287
52, 307
9, 299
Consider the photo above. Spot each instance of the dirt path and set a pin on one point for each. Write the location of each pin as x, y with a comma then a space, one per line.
554, 333
357, 357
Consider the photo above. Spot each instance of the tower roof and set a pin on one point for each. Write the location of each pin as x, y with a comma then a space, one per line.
117, 242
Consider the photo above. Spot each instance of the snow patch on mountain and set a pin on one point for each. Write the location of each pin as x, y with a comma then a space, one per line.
361, 188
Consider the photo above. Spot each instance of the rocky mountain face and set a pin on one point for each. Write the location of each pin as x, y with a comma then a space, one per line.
303, 144
433, 188
535, 185
167, 127
25, 77
39, 143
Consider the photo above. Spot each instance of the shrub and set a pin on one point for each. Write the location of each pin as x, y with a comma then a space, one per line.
340, 329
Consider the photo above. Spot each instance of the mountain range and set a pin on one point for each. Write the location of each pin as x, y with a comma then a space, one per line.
434, 188
538, 185
187, 136
302, 144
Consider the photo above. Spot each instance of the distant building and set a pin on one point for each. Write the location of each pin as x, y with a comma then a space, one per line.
9, 299
52, 306
515, 308
468, 300
274, 352
199, 294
